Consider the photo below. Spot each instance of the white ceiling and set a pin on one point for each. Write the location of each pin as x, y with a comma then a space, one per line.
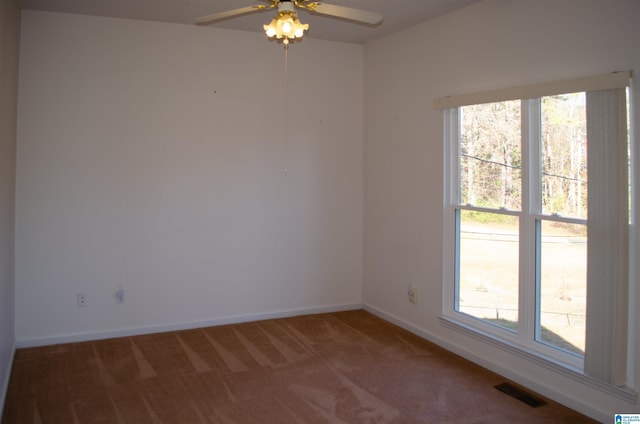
398, 14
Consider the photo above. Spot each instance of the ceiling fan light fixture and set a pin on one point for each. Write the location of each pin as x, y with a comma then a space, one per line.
271, 29
285, 26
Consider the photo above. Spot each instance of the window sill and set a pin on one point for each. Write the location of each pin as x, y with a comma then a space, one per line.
623, 393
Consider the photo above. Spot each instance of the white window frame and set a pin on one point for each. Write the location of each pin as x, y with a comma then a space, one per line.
528, 218
522, 342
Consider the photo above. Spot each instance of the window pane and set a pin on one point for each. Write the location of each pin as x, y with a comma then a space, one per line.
564, 155
490, 153
563, 285
488, 268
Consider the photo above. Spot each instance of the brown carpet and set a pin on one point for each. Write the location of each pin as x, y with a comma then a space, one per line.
347, 367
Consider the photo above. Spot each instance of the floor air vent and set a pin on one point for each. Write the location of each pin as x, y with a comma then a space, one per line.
520, 394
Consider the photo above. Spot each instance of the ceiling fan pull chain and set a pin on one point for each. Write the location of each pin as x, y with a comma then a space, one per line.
286, 108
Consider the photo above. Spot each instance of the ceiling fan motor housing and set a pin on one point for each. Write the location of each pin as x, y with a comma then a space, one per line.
286, 6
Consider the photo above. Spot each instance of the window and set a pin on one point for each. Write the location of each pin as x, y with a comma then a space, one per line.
537, 220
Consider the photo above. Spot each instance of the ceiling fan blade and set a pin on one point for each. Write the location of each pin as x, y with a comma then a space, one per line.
348, 13
209, 19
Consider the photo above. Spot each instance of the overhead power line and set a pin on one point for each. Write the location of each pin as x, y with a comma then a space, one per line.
547, 174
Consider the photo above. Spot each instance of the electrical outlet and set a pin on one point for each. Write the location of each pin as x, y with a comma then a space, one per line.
120, 296
413, 294
82, 300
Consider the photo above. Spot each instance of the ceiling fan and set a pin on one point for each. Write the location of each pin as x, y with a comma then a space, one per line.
286, 26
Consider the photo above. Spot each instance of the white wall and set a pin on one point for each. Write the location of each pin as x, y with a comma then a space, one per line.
493, 44
9, 49
151, 158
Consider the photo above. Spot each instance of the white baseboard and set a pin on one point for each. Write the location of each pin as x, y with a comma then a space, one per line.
510, 374
5, 383
125, 332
